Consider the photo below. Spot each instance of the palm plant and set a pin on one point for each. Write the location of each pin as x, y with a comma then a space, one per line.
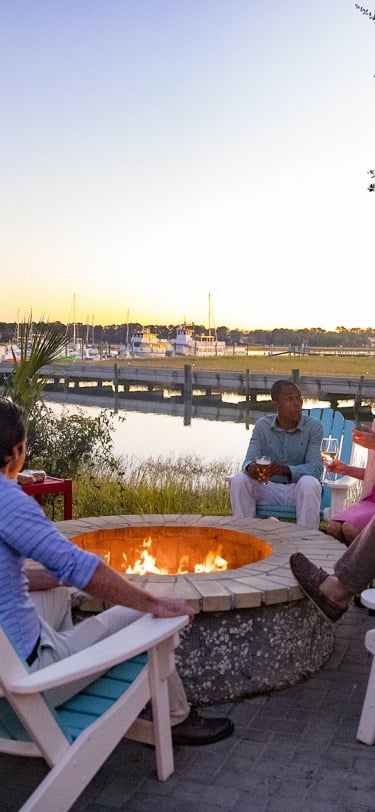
39, 346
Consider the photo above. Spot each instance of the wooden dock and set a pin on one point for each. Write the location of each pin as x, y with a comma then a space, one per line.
187, 384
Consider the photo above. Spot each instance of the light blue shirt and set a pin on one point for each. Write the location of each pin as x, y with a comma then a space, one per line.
25, 532
297, 448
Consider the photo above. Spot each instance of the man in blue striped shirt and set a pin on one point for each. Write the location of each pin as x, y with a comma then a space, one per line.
26, 533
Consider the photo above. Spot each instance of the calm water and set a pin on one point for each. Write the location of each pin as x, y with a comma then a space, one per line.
145, 434
162, 435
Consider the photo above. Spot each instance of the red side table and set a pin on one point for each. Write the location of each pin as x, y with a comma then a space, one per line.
52, 485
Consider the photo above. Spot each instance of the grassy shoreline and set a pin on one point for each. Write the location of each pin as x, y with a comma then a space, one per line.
339, 365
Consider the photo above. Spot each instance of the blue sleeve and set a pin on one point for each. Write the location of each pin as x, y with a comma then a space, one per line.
25, 528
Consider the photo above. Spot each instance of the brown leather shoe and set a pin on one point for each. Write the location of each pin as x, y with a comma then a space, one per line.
309, 577
198, 730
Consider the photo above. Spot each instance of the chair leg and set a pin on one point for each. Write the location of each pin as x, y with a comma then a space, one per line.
158, 657
366, 727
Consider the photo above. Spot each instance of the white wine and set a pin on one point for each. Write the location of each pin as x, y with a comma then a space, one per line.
328, 456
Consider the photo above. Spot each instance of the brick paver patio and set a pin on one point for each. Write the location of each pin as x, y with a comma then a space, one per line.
294, 749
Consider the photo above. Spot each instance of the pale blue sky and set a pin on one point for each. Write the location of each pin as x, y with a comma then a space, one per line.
153, 152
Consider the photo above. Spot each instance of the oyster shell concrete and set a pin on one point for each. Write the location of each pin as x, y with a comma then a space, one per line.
254, 630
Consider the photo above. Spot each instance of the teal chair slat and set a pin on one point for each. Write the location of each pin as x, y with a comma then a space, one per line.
334, 424
315, 412
107, 686
265, 511
338, 425
10, 725
347, 442
324, 415
74, 723
91, 704
130, 669
81, 710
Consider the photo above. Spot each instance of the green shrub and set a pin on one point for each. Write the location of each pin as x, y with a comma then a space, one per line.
61, 444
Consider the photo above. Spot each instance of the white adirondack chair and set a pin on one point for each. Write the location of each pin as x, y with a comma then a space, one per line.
77, 737
366, 727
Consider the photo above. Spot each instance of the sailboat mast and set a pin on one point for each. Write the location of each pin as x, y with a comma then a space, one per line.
209, 314
74, 320
127, 329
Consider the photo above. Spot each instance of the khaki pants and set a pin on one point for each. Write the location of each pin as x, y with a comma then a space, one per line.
356, 568
305, 495
60, 638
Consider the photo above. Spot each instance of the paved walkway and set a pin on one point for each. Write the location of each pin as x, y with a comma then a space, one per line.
291, 750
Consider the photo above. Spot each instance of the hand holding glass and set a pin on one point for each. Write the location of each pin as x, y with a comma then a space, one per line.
262, 465
329, 449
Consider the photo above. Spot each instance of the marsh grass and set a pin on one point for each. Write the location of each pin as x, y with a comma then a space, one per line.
333, 365
183, 484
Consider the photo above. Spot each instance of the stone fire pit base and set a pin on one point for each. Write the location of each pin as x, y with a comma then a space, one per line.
229, 655
254, 631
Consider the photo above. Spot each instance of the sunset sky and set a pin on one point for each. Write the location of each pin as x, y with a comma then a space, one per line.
156, 151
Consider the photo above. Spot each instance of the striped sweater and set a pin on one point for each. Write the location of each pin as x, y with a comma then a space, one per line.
26, 532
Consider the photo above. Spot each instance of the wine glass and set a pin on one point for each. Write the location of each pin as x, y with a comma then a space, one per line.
329, 449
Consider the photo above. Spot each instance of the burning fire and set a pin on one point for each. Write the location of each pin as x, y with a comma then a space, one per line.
146, 563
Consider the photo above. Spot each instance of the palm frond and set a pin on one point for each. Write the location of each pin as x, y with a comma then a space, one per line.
39, 345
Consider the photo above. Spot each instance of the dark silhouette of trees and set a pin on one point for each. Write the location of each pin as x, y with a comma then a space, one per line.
113, 335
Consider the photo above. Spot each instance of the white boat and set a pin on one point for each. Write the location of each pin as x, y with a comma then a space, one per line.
78, 351
11, 352
90, 352
187, 343
74, 350
146, 344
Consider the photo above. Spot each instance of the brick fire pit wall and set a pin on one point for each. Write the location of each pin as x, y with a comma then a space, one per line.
254, 631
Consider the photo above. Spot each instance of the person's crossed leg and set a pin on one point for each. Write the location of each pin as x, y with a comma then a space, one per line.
354, 570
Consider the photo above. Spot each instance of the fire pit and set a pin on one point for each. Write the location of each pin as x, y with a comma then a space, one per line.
173, 550
252, 632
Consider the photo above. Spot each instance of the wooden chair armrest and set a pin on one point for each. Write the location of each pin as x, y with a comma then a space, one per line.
140, 636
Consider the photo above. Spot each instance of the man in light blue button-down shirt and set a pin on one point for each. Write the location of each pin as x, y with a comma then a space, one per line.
290, 472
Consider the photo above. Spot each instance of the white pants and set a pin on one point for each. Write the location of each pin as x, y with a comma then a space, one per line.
305, 495
60, 638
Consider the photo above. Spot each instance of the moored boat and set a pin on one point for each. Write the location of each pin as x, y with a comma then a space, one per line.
91, 352
187, 343
145, 344
12, 352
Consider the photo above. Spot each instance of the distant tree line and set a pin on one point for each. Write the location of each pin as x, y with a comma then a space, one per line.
116, 334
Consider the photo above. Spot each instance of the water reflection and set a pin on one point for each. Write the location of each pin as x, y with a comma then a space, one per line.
214, 433
146, 433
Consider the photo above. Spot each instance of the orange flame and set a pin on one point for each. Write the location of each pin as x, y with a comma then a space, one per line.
146, 563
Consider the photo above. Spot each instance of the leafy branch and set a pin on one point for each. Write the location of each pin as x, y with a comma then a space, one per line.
371, 16
365, 11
